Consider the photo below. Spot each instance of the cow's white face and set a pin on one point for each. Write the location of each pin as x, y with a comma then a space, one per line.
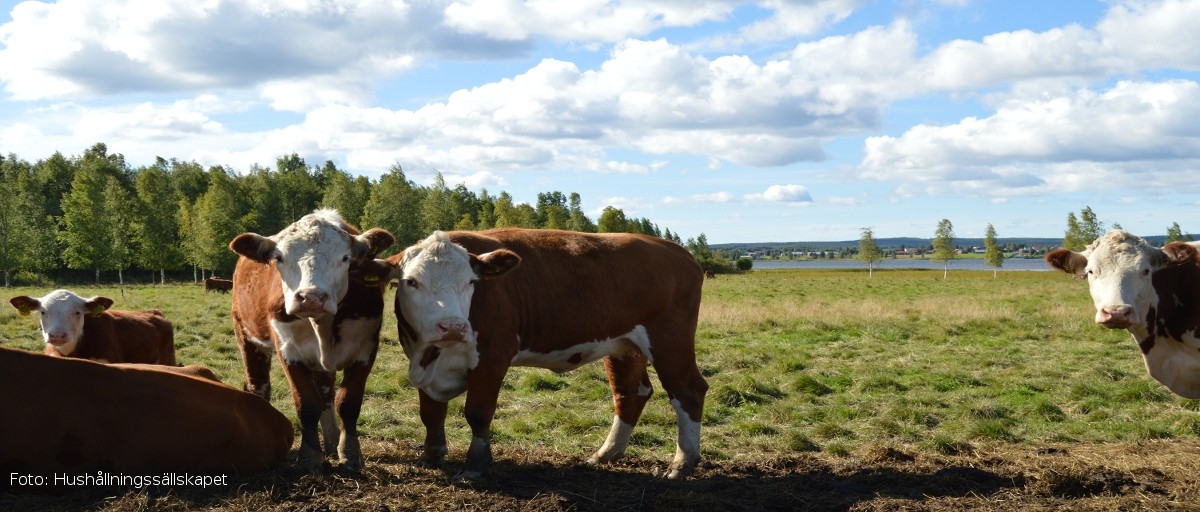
62, 315
1119, 268
437, 281
313, 258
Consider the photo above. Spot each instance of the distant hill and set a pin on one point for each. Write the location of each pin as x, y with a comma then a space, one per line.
896, 243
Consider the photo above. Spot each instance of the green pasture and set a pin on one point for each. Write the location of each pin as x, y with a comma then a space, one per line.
796, 360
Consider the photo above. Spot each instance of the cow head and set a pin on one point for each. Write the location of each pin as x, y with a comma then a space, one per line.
437, 280
62, 314
1119, 268
313, 257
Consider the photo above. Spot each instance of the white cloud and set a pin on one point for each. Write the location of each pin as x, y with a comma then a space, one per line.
781, 194
716, 197
584, 21
1084, 140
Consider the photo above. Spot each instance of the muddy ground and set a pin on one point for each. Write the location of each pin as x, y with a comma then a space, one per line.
1147, 475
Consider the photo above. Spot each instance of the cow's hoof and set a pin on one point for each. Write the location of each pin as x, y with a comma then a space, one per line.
433, 457
679, 472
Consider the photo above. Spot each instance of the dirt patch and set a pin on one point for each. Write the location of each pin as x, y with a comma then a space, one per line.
1158, 475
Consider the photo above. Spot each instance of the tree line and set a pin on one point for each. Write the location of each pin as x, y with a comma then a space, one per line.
94, 212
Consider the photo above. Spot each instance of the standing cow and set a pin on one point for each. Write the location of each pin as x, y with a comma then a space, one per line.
73, 326
1153, 293
293, 293
470, 305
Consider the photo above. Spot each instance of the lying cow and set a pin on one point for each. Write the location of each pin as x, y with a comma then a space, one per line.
470, 305
293, 293
216, 284
1153, 293
76, 417
85, 328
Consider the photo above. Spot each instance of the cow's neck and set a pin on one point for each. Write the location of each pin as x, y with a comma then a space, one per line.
1168, 336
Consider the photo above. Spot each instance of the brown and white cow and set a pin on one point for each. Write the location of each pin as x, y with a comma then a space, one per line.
65, 415
216, 284
472, 304
1153, 293
294, 293
85, 328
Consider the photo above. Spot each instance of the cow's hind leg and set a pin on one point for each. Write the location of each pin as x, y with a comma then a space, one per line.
685, 386
349, 405
631, 390
329, 427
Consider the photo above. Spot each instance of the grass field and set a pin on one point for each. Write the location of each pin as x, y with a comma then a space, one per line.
815, 376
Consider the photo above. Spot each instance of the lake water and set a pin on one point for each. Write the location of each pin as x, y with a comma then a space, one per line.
906, 263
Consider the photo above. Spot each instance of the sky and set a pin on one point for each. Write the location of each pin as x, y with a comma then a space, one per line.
745, 121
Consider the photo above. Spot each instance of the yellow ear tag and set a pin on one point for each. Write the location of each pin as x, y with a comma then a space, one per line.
97, 310
23, 309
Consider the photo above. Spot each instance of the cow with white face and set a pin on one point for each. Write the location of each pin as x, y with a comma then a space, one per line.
311, 292
73, 326
472, 304
1153, 293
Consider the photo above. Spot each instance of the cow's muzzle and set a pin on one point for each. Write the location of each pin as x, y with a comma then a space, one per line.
310, 303
450, 332
1115, 317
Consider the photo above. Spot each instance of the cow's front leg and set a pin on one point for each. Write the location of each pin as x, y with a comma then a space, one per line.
309, 406
483, 390
433, 416
349, 405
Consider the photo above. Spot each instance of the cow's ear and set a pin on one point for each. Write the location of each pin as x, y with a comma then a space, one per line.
371, 243
25, 304
494, 264
98, 305
1067, 261
1179, 252
254, 246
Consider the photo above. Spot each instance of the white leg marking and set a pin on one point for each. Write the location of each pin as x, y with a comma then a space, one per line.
687, 446
613, 447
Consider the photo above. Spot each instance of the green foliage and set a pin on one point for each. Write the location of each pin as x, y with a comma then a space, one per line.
93, 212
943, 245
1176, 234
744, 264
992, 254
868, 250
1082, 230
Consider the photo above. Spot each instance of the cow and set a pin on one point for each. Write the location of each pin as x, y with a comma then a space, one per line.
85, 328
304, 294
1152, 293
708, 274
472, 304
73, 416
216, 284
191, 370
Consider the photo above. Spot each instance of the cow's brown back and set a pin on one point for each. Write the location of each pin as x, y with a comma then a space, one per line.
629, 280
75, 416
127, 337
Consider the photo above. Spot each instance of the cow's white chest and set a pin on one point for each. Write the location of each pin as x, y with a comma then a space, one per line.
445, 376
579, 354
1176, 364
298, 342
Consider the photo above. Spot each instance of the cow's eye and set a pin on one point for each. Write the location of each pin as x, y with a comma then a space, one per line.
411, 283
345, 258
277, 258
1145, 272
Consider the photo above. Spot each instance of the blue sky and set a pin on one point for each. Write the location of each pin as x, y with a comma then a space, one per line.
774, 120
